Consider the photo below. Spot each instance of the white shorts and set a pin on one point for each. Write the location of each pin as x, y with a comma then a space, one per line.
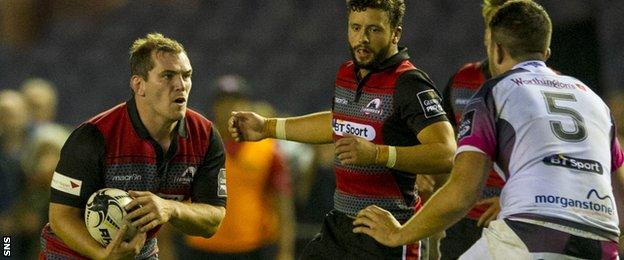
499, 241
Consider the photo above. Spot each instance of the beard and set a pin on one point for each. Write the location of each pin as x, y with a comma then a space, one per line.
378, 57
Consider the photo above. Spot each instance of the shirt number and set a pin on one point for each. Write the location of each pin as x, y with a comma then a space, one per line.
579, 133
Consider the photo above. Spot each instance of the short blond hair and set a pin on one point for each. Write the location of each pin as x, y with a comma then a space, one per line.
141, 52
489, 8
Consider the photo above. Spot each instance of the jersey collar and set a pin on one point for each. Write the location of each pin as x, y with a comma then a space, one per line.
389, 62
530, 64
140, 128
395, 59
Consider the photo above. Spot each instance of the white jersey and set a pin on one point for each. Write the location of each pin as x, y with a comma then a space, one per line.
553, 140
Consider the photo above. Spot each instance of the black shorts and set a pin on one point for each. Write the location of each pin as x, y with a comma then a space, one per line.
337, 241
459, 238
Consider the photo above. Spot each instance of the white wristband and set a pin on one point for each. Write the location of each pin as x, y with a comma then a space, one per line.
392, 156
280, 128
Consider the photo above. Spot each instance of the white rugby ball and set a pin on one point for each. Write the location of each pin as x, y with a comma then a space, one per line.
104, 215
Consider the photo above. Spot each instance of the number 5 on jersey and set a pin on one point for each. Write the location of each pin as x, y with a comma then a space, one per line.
580, 132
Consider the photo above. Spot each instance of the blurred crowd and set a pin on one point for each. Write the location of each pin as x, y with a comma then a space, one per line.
30, 144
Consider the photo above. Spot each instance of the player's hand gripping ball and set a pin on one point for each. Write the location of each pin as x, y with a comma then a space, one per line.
104, 215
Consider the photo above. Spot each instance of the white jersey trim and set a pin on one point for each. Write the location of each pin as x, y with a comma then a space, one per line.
469, 148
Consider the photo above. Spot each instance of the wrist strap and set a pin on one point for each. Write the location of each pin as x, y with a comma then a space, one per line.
280, 128
392, 156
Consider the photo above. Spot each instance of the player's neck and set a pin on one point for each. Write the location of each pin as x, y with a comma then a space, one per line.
158, 127
362, 73
394, 49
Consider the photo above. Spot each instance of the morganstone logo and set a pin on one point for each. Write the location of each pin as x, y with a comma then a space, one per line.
593, 202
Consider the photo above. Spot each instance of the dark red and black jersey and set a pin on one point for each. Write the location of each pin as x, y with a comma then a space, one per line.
114, 149
391, 105
462, 86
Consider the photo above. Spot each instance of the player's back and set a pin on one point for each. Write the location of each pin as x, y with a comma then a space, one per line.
553, 139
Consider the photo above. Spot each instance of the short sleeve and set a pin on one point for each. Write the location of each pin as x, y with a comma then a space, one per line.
209, 186
476, 130
447, 104
417, 101
617, 156
79, 171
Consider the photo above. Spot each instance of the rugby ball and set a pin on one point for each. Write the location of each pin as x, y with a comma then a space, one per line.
104, 215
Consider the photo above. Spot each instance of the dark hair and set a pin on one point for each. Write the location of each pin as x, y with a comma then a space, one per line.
394, 8
523, 27
141, 52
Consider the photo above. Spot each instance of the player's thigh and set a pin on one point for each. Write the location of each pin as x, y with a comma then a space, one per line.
498, 241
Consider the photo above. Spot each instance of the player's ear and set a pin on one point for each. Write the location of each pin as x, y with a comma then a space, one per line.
138, 85
500, 53
547, 54
396, 35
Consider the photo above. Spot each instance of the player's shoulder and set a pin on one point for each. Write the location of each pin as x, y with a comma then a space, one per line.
471, 67
410, 74
346, 71
108, 115
470, 75
504, 80
347, 66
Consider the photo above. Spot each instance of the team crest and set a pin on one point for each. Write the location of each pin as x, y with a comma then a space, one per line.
190, 172
187, 176
373, 107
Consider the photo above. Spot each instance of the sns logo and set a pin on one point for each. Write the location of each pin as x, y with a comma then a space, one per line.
342, 127
6, 246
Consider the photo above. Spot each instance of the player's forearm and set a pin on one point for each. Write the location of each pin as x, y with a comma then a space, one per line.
444, 208
313, 128
451, 203
68, 224
197, 219
432, 158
